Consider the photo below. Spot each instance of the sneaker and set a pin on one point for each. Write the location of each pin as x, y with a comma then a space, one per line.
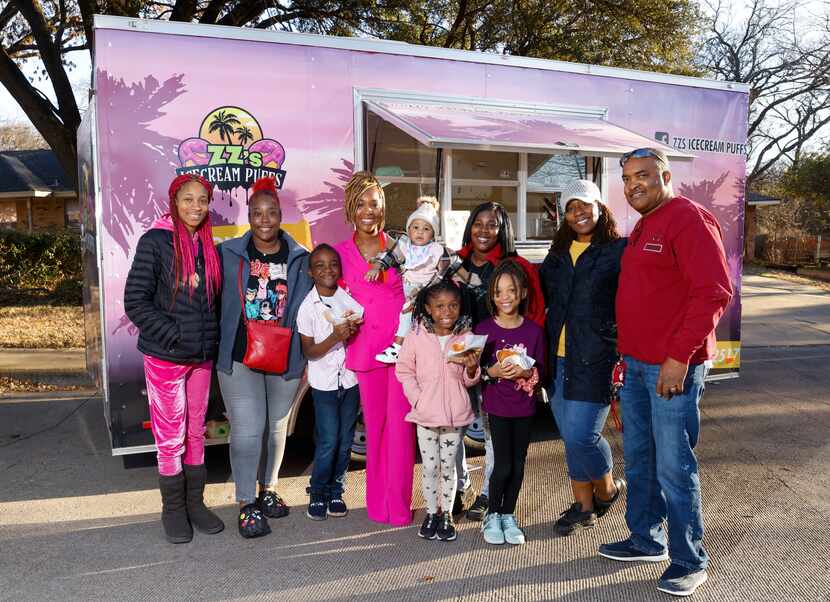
478, 509
389, 355
625, 551
491, 528
337, 507
252, 523
271, 504
680, 581
446, 529
463, 500
512, 533
601, 507
574, 518
429, 527
317, 507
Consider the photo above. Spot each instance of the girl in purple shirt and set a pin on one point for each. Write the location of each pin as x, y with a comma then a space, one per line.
508, 396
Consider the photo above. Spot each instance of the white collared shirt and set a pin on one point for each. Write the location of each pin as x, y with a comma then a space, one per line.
328, 372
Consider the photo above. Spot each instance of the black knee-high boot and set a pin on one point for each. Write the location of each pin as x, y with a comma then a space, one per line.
177, 528
201, 517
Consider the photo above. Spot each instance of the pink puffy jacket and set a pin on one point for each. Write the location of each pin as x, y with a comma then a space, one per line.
436, 388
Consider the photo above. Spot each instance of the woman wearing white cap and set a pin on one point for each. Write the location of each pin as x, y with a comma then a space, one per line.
579, 277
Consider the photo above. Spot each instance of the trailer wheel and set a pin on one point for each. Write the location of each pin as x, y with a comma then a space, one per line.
474, 437
359, 441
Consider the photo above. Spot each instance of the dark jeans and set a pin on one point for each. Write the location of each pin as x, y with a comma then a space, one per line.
335, 414
511, 438
660, 465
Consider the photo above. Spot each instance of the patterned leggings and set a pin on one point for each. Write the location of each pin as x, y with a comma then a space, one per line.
439, 446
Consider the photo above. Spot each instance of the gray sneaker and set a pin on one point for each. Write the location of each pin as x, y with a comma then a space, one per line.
680, 581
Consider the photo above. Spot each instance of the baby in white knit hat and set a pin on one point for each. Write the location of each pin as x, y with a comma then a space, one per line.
421, 260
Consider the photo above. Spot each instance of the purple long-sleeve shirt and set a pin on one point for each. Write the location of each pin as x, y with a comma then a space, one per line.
501, 398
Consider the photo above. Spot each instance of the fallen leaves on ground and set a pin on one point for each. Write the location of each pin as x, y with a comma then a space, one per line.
42, 327
13, 385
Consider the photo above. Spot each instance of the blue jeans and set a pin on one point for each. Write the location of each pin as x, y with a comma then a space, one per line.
663, 483
335, 414
580, 424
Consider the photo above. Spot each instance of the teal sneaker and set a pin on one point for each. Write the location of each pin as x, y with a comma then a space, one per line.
512, 533
491, 527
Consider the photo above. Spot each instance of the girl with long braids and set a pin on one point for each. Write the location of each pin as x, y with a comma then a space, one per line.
170, 295
390, 439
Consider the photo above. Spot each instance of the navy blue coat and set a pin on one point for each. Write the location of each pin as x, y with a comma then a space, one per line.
582, 298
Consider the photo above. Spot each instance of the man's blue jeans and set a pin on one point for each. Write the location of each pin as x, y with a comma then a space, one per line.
661, 468
335, 414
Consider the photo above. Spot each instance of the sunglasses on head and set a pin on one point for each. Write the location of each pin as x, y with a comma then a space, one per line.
640, 153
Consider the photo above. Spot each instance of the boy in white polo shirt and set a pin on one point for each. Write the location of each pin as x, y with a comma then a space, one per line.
327, 317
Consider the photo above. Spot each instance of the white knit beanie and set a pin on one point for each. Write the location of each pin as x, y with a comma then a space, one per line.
426, 210
583, 190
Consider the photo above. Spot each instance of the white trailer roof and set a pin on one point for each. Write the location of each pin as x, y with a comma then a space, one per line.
402, 48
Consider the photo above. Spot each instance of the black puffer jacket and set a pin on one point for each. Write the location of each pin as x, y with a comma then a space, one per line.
183, 330
582, 297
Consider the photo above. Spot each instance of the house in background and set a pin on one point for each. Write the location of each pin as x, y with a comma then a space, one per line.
35, 195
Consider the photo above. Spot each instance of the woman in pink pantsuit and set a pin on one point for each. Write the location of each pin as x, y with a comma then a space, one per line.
390, 440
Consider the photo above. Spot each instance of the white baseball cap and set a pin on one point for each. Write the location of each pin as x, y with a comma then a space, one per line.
584, 190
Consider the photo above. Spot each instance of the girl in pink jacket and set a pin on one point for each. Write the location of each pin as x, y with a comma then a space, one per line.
436, 388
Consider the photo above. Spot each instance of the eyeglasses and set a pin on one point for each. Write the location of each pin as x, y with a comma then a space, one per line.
640, 153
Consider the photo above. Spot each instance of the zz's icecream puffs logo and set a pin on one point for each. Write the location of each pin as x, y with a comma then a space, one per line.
231, 151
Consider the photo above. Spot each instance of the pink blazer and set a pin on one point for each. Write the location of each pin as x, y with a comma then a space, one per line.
436, 389
382, 301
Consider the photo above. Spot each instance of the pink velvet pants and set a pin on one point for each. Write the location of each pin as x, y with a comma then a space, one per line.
390, 447
178, 397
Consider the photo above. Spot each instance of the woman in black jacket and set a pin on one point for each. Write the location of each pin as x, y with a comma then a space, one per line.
170, 295
579, 277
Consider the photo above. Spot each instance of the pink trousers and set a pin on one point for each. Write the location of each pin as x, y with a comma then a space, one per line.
390, 447
178, 397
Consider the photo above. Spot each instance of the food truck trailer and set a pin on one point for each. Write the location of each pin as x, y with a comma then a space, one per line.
234, 104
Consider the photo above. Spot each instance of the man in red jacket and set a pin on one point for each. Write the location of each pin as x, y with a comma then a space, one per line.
674, 286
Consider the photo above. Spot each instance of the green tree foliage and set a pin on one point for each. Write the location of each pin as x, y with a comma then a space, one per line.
639, 34
809, 182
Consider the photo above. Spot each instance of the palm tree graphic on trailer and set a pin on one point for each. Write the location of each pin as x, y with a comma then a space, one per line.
244, 134
224, 123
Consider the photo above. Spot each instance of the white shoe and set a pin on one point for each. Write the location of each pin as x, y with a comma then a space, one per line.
390, 354
512, 533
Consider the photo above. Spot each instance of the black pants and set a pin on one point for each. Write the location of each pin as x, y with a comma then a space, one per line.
511, 438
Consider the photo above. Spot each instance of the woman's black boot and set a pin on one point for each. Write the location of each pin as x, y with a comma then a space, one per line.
177, 528
200, 515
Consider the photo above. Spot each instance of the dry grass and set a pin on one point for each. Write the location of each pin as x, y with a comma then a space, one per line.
760, 270
41, 327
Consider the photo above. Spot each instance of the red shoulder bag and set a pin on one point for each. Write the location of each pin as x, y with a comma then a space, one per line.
268, 342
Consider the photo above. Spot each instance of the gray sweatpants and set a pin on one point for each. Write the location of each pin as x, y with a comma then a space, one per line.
258, 406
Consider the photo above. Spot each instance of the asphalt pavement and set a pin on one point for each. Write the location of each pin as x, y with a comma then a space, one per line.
74, 524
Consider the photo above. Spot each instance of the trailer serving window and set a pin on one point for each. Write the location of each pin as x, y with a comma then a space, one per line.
471, 150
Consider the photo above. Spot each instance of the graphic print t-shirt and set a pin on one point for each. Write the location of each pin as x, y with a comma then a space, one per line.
266, 292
